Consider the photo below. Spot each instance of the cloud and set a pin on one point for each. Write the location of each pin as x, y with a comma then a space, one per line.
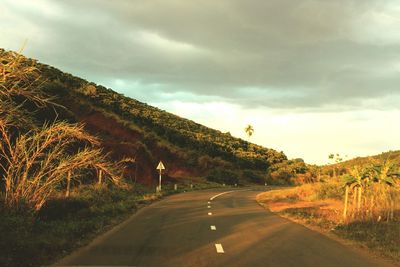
245, 58
303, 54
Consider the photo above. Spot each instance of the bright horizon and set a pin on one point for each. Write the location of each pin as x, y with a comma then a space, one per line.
312, 77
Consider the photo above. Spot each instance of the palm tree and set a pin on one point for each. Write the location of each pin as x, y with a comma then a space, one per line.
385, 173
379, 177
355, 181
249, 130
335, 160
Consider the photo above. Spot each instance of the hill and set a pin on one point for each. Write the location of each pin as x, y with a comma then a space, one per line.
130, 128
343, 167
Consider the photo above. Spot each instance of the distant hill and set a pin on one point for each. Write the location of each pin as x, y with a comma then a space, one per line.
130, 128
343, 167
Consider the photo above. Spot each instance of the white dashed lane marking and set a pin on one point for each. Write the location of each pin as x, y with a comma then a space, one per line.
220, 194
227, 192
219, 248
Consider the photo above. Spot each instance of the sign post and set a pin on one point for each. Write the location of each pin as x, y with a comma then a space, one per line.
160, 167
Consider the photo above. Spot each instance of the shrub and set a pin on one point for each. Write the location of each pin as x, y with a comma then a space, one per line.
253, 177
61, 208
329, 190
89, 90
223, 177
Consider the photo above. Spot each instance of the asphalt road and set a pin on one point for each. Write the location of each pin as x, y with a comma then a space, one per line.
179, 231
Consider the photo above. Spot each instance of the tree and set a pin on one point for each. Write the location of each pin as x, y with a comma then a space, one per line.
378, 181
89, 90
335, 158
384, 173
355, 181
223, 176
249, 130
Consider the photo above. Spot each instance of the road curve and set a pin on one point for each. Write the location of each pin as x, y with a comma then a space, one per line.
189, 229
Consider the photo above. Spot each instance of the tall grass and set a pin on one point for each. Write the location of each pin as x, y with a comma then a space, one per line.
35, 164
36, 160
376, 202
372, 223
20, 78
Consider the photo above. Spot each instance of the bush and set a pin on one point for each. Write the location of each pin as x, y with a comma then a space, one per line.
329, 190
253, 177
223, 177
61, 208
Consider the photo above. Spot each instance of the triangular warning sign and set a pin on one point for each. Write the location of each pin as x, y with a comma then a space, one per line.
160, 166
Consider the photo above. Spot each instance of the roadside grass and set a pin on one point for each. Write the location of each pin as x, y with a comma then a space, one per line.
382, 237
321, 206
62, 225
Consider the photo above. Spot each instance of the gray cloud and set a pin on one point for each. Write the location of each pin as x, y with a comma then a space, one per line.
279, 54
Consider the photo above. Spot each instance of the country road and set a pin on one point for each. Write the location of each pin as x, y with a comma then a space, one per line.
190, 229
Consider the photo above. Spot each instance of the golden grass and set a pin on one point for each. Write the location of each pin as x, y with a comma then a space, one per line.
20, 77
36, 161
307, 205
35, 164
375, 205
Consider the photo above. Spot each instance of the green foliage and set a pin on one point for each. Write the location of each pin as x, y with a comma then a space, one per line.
253, 177
62, 208
62, 225
329, 190
194, 144
345, 166
287, 171
249, 130
376, 171
182, 133
223, 177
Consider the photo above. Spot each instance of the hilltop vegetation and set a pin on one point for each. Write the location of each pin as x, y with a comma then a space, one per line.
342, 167
129, 128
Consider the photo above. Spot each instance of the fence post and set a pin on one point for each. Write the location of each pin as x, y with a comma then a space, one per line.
68, 184
346, 198
100, 177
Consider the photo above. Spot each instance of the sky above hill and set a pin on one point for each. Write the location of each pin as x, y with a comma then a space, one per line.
312, 77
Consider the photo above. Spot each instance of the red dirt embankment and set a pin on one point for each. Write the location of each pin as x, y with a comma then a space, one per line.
124, 142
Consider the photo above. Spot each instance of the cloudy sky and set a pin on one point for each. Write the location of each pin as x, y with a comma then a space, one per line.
312, 77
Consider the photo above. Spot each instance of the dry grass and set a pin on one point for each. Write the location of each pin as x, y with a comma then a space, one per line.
20, 78
35, 164
378, 202
321, 205
37, 160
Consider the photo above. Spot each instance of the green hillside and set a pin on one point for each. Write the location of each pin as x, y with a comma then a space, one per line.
343, 167
391, 155
130, 128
